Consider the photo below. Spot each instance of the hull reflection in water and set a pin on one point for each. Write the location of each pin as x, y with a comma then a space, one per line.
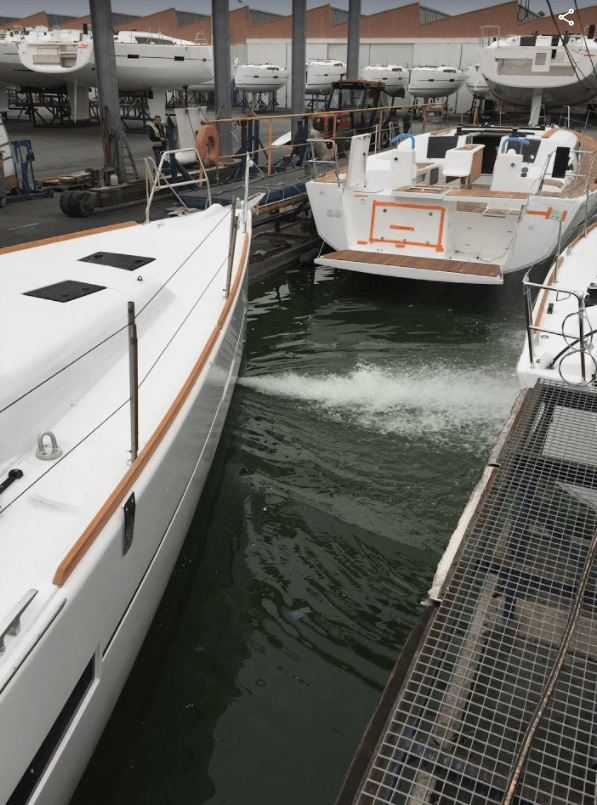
363, 418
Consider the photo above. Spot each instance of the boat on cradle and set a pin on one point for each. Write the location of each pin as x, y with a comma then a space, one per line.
392, 76
561, 342
552, 71
256, 78
144, 61
467, 204
320, 74
475, 82
426, 83
130, 336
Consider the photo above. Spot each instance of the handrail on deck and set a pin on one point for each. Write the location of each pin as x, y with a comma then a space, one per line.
315, 161
533, 330
155, 176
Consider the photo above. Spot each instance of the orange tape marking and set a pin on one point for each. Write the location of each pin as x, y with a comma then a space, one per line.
437, 246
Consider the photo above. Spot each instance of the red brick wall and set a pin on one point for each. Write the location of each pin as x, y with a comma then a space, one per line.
41, 18
77, 24
404, 22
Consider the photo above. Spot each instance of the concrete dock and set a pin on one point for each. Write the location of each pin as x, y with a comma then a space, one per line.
494, 696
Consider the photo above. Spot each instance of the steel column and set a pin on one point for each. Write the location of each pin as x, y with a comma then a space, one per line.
354, 38
220, 36
107, 86
299, 51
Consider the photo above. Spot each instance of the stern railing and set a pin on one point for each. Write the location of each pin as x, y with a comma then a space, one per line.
573, 344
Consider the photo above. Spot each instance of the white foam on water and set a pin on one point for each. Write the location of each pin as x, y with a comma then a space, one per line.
432, 401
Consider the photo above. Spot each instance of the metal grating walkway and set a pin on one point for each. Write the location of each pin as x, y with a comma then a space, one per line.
500, 702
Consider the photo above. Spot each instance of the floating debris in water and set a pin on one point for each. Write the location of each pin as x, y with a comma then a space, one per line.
298, 613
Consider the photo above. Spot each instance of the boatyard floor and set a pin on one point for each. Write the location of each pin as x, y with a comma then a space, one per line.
60, 150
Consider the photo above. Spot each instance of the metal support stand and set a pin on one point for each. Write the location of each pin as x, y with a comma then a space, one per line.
23, 157
250, 145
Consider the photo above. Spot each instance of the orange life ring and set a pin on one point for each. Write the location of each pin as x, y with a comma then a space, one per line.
208, 144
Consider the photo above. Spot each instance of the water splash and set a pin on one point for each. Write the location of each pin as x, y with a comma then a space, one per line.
432, 401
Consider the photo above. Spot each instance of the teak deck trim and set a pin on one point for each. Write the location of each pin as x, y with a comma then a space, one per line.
17, 247
114, 501
422, 263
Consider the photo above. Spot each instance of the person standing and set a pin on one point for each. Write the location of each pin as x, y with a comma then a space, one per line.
159, 140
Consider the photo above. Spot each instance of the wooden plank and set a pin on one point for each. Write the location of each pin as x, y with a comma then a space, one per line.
470, 206
485, 192
330, 176
427, 263
70, 236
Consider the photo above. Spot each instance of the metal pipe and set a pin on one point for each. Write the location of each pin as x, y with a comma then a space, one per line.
299, 55
220, 40
529, 316
133, 381
107, 87
559, 247
233, 230
354, 37
581, 333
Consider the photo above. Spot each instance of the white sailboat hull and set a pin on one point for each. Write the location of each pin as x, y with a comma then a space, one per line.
139, 67
94, 601
257, 78
320, 75
427, 82
394, 78
561, 75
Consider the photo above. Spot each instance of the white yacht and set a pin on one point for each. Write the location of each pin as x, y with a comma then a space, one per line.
320, 74
534, 70
465, 205
256, 78
475, 82
392, 76
434, 82
561, 342
113, 399
144, 61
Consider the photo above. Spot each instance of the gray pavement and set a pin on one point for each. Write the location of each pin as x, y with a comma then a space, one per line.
61, 150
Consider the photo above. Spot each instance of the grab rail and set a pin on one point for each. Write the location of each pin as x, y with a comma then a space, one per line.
315, 161
402, 137
533, 329
156, 175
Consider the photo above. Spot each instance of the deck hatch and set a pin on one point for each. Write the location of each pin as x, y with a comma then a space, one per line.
65, 291
513, 598
127, 261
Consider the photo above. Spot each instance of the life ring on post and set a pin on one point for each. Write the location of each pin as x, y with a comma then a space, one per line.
208, 144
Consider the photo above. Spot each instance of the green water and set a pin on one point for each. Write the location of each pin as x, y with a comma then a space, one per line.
362, 420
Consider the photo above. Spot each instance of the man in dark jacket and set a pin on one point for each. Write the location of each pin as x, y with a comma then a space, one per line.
159, 140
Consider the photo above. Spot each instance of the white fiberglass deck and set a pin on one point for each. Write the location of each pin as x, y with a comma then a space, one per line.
65, 369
